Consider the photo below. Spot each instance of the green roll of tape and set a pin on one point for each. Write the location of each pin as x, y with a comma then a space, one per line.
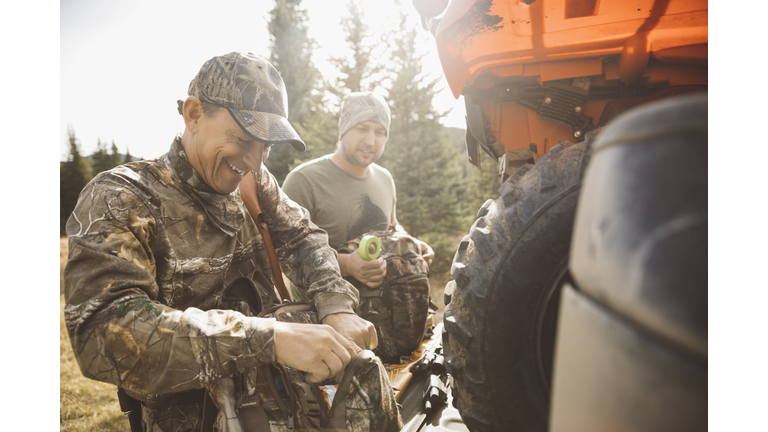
370, 247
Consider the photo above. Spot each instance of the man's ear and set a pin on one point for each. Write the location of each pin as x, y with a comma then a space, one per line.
193, 112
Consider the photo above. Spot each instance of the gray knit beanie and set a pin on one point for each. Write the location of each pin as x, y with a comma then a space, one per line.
359, 107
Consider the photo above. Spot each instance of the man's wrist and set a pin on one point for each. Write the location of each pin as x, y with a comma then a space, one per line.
342, 260
333, 303
335, 313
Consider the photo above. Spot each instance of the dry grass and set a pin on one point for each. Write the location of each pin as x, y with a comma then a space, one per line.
85, 405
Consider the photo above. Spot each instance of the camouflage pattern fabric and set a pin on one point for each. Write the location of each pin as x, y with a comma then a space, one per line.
290, 412
286, 400
253, 91
399, 308
173, 418
151, 249
380, 411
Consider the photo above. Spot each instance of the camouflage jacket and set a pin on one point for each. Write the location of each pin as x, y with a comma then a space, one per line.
152, 247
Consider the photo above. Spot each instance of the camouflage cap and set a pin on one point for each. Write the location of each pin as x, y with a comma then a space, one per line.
253, 92
362, 106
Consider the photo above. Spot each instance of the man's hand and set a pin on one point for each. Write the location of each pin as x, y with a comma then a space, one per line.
371, 272
355, 329
317, 349
426, 251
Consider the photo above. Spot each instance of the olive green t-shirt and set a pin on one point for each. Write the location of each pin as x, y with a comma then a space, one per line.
345, 206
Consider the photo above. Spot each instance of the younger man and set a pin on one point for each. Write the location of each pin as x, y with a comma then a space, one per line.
347, 193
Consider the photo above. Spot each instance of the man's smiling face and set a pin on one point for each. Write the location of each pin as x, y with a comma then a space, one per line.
222, 153
364, 143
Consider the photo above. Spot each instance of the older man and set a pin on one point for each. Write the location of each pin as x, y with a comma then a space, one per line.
154, 244
347, 193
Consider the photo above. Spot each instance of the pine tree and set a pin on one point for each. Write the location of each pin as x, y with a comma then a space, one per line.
357, 68
128, 157
319, 130
481, 185
115, 156
101, 160
291, 52
74, 174
319, 125
419, 155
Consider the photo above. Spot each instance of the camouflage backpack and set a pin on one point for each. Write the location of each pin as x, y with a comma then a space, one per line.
284, 399
400, 307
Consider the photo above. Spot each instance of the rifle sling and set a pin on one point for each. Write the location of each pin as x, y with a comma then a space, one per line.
249, 194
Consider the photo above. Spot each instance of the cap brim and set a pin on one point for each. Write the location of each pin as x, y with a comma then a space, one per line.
267, 127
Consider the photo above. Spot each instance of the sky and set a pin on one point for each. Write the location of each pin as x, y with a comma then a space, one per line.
124, 64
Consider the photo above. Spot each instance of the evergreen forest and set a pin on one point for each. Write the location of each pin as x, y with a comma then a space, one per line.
438, 191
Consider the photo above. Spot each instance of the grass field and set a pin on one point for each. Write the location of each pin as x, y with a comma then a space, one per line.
88, 405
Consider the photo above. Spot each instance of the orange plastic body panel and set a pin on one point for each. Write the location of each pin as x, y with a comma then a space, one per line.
477, 35
517, 127
487, 43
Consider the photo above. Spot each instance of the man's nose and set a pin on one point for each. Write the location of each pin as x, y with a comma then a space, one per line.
370, 138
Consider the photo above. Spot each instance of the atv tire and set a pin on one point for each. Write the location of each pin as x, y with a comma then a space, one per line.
502, 303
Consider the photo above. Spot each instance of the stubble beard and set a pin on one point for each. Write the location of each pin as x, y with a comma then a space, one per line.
354, 160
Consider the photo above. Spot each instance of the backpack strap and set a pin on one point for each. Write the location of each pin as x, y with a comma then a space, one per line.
250, 197
337, 417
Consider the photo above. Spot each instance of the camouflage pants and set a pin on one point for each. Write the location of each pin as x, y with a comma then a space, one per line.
179, 418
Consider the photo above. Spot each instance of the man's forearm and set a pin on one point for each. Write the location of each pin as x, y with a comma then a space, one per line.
343, 261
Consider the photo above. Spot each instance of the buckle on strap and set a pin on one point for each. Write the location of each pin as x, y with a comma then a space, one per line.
309, 404
371, 293
173, 399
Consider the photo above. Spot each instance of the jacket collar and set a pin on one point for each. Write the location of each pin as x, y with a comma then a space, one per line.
226, 210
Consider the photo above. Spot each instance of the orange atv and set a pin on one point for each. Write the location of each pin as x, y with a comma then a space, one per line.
596, 246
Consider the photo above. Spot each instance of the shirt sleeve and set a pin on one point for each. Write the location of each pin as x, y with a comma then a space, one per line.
120, 332
299, 190
303, 250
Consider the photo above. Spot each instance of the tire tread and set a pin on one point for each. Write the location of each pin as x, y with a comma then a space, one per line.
500, 224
